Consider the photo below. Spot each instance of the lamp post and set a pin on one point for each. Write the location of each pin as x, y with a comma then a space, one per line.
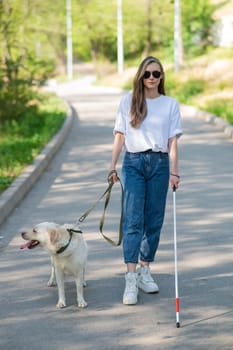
120, 50
177, 36
69, 40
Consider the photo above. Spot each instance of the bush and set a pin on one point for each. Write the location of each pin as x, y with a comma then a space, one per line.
15, 100
18, 92
21, 140
222, 107
183, 91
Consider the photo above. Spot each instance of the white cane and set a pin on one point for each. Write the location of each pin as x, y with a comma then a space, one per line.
175, 258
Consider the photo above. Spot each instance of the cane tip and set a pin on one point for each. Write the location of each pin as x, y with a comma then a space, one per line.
177, 324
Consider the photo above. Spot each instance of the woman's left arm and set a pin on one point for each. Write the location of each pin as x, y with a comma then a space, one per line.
173, 153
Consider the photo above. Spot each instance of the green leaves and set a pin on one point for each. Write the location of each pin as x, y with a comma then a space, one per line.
21, 140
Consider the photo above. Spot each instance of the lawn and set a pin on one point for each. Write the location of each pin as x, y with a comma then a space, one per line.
22, 140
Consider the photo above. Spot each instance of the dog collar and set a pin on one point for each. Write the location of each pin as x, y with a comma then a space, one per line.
71, 231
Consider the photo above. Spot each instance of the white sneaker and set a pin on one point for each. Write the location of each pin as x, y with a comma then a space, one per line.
145, 280
130, 296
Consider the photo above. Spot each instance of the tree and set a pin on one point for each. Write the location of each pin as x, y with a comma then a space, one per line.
197, 22
95, 30
20, 66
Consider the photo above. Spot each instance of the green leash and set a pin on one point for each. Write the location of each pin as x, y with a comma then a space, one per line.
107, 195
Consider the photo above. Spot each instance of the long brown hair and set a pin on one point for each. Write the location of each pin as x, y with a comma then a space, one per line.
138, 109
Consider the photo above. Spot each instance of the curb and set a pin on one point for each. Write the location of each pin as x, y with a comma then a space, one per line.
11, 197
209, 118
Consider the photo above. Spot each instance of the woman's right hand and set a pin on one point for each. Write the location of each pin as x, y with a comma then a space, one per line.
112, 176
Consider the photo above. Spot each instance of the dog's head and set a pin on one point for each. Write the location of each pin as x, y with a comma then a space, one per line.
46, 234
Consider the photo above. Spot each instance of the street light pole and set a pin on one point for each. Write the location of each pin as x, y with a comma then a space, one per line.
177, 36
120, 50
69, 40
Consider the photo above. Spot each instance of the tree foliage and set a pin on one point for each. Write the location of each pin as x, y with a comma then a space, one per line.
21, 66
197, 23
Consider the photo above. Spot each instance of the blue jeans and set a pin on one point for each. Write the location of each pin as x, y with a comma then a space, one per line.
145, 181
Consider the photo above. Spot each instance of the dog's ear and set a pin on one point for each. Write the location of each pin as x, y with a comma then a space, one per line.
54, 236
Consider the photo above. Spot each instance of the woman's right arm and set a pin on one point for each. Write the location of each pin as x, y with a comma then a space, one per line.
118, 143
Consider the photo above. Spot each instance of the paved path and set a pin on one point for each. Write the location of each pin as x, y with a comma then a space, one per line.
74, 179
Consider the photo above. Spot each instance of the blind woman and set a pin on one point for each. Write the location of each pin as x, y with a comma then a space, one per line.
147, 129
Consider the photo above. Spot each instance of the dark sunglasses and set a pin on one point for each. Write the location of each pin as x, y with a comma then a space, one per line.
155, 73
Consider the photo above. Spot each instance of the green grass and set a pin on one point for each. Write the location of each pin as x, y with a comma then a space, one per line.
183, 91
223, 108
205, 82
22, 140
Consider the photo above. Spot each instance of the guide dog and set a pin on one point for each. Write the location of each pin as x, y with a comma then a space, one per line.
68, 252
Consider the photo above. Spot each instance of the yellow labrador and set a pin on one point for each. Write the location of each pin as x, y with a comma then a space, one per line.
68, 252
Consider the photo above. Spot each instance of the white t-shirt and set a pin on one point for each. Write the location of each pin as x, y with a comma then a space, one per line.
161, 123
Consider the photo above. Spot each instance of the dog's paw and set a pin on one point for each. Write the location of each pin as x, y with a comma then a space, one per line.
84, 283
60, 305
51, 282
82, 303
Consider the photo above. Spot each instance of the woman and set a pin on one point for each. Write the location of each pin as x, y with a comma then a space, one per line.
147, 127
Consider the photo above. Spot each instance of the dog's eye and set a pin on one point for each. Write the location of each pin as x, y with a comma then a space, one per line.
34, 230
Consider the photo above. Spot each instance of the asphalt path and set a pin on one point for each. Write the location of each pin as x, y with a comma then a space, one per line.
75, 178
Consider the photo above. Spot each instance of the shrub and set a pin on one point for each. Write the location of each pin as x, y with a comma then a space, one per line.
222, 107
183, 91
22, 139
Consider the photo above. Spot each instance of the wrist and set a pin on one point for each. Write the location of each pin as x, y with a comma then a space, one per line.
176, 175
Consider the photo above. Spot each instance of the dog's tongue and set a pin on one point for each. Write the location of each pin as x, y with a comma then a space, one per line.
27, 245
